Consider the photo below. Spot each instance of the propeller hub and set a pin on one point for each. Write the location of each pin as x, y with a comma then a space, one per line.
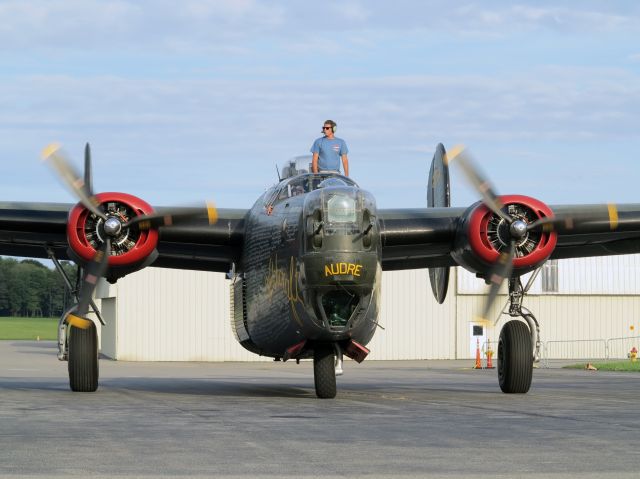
112, 227
518, 229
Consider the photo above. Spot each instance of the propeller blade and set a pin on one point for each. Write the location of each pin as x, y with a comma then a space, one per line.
500, 271
60, 163
603, 215
95, 270
477, 179
168, 218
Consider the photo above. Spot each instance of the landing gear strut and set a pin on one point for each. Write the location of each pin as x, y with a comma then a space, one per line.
78, 346
519, 343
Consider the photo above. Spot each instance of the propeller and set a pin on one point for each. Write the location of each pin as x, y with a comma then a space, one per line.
517, 227
603, 216
155, 220
478, 180
94, 270
599, 217
112, 226
500, 271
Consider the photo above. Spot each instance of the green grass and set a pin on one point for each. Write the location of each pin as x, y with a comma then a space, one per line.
626, 366
28, 328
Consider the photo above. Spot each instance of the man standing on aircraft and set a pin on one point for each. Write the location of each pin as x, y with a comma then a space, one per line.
329, 150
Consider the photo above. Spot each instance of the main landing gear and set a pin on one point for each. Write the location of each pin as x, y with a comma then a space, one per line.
83, 358
78, 338
519, 344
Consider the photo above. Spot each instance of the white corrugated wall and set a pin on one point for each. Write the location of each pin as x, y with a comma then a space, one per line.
172, 315
416, 326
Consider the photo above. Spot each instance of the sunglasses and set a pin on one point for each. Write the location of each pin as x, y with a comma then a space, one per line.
326, 127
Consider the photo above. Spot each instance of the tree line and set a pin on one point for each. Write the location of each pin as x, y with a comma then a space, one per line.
29, 289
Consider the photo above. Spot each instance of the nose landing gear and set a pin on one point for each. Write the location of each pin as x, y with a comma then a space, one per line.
324, 371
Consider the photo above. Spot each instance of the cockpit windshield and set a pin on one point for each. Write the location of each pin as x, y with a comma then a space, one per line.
305, 183
297, 179
332, 182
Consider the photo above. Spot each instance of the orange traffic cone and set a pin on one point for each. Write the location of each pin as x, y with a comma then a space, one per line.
478, 358
489, 356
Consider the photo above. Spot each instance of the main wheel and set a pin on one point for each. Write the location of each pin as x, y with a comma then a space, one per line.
324, 372
83, 359
515, 358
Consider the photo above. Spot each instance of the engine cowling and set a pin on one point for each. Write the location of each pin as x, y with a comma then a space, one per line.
131, 250
482, 236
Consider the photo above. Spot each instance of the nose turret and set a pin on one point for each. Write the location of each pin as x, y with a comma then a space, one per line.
342, 254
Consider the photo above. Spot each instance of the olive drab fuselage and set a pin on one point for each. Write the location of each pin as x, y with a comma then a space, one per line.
311, 267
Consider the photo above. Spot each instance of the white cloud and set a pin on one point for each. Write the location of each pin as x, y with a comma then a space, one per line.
80, 24
208, 117
204, 25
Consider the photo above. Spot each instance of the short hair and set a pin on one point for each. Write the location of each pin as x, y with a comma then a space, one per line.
332, 124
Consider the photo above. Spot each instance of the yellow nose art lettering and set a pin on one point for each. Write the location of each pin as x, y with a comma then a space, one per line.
335, 269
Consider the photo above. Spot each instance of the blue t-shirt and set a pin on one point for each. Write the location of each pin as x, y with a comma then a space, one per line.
329, 152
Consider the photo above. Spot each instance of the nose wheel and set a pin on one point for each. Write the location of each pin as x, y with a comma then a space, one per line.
324, 371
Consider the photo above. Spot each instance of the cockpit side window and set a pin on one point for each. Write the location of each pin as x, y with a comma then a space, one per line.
299, 186
270, 196
285, 192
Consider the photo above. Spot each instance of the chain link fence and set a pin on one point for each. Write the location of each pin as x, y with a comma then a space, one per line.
579, 349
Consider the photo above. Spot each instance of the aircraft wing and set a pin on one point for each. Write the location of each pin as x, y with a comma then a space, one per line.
418, 237
31, 229
426, 237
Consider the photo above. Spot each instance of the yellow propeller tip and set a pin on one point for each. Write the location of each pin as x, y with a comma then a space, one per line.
79, 322
50, 150
453, 153
212, 212
613, 215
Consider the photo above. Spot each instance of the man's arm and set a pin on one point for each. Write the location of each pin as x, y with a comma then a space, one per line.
314, 163
345, 164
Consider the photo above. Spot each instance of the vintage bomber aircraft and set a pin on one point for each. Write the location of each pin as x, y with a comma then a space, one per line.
306, 260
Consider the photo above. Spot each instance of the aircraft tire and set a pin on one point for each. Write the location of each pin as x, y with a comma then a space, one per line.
515, 358
83, 359
324, 372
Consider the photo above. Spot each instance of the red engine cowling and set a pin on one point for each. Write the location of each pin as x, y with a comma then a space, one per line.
132, 250
482, 236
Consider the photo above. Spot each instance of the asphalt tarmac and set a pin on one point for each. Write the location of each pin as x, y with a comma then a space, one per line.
390, 419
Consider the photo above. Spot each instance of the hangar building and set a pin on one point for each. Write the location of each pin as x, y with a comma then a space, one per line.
587, 308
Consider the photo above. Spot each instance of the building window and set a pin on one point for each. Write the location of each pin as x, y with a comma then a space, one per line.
550, 276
